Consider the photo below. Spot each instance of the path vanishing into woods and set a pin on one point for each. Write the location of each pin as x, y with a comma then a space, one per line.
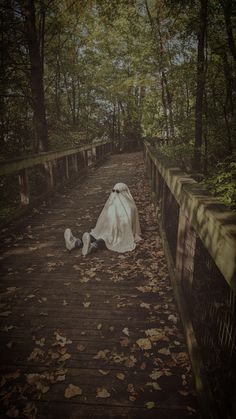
94, 337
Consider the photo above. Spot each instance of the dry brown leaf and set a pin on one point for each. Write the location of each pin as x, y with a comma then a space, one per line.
130, 362
36, 354
102, 393
40, 342
126, 331
124, 342
61, 340
103, 372
72, 391
64, 357
99, 326
156, 374
173, 318
164, 351
80, 348
143, 366
120, 376
145, 305
101, 354
144, 344
30, 410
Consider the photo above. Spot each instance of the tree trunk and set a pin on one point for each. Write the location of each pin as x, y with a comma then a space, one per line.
164, 109
200, 85
166, 95
228, 12
36, 76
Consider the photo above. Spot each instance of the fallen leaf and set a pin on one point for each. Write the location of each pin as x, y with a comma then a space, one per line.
61, 340
156, 374
164, 351
64, 357
99, 326
80, 348
173, 318
102, 392
103, 372
125, 342
72, 391
101, 354
145, 305
120, 376
150, 405
191, 409
154, 385
40, 342
36, 354
126, 331
86, 304
30, 410
144, 344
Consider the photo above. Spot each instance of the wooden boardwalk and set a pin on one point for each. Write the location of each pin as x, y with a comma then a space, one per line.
94, 337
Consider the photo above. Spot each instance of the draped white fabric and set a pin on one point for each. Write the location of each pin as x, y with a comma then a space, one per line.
118, 224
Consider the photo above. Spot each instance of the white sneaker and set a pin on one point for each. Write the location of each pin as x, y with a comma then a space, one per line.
70, 240
86, 239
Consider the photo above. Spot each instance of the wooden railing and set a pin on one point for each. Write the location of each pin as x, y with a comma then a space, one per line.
199, 236
25, 181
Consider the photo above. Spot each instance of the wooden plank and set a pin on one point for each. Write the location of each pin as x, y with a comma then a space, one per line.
43, 295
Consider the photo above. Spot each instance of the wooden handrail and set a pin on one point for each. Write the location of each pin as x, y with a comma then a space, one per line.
15, 165
212, 221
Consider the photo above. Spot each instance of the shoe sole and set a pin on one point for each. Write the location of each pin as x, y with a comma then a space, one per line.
86, 244
67, 235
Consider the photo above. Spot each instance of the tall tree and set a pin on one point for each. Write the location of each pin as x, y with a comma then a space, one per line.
36, 75
200, 84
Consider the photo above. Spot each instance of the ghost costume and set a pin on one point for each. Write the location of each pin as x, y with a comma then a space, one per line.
118, 224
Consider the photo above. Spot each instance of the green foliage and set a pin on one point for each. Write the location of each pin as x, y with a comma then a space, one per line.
223, 182
122, 70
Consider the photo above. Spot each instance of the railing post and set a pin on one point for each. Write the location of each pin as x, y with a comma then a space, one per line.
67, 167
24, 187
48, 166
85, 158
76, 166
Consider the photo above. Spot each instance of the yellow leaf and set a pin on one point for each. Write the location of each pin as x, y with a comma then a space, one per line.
150, 405
144, 344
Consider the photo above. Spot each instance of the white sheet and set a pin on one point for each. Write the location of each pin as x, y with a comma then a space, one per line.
118, 224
